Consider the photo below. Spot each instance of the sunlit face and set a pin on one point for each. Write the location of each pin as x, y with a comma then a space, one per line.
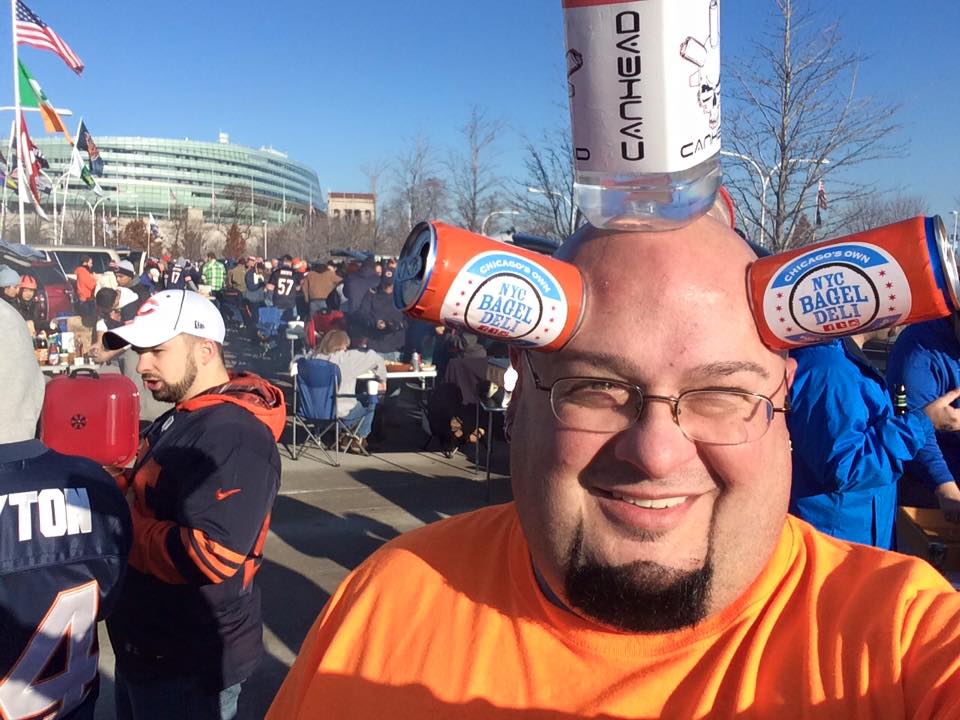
666, 312
169, 370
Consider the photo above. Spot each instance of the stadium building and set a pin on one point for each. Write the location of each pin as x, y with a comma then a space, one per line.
163, 177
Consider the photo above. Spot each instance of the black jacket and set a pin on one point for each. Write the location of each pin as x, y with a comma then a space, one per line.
204, 485
379, 306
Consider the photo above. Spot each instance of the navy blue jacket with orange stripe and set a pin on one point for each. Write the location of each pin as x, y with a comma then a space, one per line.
203, 487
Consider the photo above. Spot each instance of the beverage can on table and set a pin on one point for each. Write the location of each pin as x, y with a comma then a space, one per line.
893, 275
644, 86
450, 276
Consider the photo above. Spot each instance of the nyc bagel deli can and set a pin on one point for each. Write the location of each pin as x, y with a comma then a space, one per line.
892, 275
450, 276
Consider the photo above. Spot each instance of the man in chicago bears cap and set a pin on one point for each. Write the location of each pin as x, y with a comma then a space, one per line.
187, 631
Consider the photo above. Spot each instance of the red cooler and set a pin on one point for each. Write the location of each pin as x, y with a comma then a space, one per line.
92, 415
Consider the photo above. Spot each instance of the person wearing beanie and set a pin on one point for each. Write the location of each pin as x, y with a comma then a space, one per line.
9, 284
135, 292
28, 303
65, 535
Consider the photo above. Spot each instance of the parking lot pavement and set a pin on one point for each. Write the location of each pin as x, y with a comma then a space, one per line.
325, 521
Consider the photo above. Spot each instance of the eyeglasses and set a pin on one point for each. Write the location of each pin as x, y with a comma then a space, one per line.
711, 416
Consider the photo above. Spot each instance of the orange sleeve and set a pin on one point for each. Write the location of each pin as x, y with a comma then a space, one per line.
291, 700
149, 553
931, 656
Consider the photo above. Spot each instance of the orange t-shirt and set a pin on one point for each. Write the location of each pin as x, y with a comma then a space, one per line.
86, 283
448, 622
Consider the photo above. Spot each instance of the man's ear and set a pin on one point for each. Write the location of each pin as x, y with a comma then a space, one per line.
791, 368
208, 351
515, 361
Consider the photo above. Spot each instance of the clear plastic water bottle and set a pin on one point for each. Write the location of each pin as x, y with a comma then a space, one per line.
415, 361
644, 86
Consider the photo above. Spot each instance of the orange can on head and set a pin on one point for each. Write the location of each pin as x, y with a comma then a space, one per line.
450, 276
893, 275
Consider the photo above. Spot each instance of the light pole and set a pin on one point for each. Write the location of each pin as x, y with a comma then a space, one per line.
483, 225
562, 196
264, 223
765, 179
93, 217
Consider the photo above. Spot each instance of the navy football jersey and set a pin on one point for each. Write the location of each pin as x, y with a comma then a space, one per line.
285, 283
65, 535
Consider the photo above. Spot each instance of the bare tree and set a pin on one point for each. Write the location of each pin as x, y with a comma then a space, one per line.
417, 182
77, 229
373, 172
353, 232
135, 235
875, 209
233, 208
544, 195
798, 114
474, 183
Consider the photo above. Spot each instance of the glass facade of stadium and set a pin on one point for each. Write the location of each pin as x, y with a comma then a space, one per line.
160, 176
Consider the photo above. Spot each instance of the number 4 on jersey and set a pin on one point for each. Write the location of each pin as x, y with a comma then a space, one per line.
72, 616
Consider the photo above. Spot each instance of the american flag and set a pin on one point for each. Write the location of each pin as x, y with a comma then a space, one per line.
32, 31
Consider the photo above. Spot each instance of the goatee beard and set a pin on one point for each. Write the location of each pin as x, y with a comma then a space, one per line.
178, 391
639, 597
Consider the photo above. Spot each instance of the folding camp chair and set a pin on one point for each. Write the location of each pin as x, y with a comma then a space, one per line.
315, 386
231, 311
268, 327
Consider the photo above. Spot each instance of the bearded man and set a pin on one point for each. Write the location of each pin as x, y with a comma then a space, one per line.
187, 631
647, 567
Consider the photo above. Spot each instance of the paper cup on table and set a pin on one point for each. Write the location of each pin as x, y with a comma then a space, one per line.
68, 341
373, 387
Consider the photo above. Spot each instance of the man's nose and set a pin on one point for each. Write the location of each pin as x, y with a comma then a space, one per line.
144, 363
655, 443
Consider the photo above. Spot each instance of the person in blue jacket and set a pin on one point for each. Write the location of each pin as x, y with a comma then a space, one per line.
926, 359
849, 448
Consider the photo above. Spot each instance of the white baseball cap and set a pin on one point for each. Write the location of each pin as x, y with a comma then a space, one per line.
164, 316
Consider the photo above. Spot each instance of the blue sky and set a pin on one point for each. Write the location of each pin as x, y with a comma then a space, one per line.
340, 84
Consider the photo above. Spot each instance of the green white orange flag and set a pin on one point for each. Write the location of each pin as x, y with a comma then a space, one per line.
32, 95
80, 171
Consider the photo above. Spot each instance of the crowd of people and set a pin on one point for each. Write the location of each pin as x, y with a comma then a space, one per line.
647, 567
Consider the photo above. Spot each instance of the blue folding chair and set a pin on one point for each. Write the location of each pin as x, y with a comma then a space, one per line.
268, 327
315, 387
232, 314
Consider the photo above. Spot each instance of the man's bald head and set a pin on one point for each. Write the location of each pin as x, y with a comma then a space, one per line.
669, 314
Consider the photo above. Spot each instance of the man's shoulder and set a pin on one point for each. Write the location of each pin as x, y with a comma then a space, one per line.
849, 573
224, 420
462, 545
224, 425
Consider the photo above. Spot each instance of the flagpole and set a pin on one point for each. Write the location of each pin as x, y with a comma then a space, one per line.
3, 213
18, 119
